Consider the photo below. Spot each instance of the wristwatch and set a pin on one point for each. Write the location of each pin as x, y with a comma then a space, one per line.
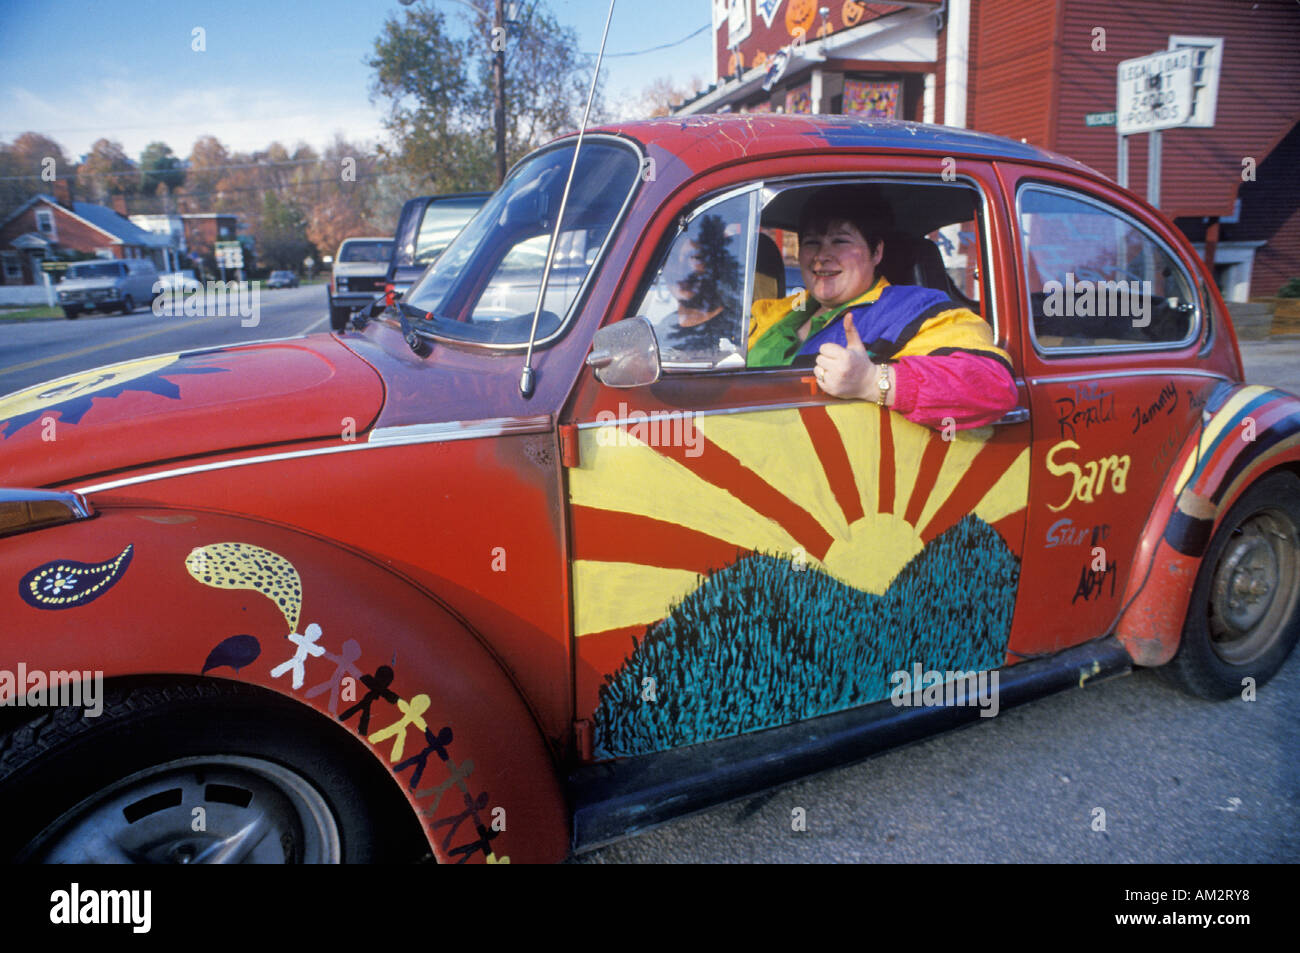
882, 386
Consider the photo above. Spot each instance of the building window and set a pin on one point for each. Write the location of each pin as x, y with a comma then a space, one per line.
13, 268
1208, 52
45, 222
871, 99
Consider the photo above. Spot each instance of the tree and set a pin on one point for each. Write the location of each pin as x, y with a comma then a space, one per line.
208, 164
282, 240
26, 169
159, 166
440, 94
106, 171
340, 198
660, 96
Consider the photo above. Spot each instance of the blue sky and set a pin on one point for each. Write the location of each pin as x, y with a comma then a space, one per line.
286, 71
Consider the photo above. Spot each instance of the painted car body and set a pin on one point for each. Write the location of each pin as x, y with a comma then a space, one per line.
567, 594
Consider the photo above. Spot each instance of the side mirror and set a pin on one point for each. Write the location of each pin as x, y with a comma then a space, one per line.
625, 354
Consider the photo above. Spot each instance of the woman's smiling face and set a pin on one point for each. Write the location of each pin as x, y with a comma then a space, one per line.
837, 263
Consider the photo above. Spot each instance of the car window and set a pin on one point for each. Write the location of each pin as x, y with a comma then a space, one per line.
696, 301
1096, 279
933, 239
378, 252
512, 289
442, 222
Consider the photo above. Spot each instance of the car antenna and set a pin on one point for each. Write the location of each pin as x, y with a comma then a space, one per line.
528, 380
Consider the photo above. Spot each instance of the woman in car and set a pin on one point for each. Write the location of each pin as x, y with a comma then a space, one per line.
908, 348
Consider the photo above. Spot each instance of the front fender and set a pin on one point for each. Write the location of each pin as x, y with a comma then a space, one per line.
139, 591
1245, 431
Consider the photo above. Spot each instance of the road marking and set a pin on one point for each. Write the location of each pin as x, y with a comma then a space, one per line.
313, 326
98, 347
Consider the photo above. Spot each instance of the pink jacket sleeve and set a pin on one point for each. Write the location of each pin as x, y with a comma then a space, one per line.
972, 389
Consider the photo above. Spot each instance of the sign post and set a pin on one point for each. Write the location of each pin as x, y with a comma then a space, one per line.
1153, 92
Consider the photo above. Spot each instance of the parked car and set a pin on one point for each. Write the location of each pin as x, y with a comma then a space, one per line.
282, 279
359, 269
178, 280
426, 227
107, 285
388, 593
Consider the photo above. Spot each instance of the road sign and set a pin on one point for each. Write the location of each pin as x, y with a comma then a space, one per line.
229, 254
1099, 119
1155, 92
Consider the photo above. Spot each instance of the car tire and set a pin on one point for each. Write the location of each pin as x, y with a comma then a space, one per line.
128, 305
72, 313
128, 785
339, 317
1244, 616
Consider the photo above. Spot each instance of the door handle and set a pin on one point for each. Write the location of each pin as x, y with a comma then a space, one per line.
1017, 415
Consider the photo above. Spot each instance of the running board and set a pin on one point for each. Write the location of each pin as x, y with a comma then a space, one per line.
615, 799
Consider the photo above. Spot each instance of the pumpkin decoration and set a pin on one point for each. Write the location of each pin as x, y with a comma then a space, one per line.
799, 16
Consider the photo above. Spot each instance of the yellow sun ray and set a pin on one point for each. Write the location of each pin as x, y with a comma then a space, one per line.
644, 594
620, 478
859, 428
1009, 495
965, 447
776, 446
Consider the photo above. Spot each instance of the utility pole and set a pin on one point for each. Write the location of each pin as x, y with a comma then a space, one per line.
499, 81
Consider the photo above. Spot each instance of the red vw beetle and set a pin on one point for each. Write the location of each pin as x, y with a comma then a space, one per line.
506, 573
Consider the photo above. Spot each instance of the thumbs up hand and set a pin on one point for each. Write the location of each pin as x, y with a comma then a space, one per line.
847, 371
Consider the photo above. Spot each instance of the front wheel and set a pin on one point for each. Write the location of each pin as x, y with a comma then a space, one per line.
128, 305
204, 772
71, 313
1244, 617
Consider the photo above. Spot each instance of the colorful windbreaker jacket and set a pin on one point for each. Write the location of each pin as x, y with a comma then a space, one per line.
946, 366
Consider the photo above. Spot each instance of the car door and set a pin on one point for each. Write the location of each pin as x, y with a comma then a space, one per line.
747, 551
1115, 321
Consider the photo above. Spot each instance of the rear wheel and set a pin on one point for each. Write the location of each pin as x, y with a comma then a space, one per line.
339, 317
204, 772
71, 313
1244, 617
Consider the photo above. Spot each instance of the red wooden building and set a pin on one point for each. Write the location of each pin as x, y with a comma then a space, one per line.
1045, 71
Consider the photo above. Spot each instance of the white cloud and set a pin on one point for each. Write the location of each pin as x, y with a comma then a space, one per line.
136, 113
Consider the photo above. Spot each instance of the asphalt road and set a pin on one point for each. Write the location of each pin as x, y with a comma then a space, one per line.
1179, 779
32, 352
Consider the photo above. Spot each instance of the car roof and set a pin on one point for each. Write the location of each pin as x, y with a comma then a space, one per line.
698, 140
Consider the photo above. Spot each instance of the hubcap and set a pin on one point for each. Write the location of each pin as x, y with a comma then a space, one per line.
1255, 587
217, 809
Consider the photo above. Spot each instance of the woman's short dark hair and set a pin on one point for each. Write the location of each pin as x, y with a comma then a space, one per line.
859, 205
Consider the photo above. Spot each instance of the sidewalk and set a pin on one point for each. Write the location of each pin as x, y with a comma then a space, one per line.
1274, 361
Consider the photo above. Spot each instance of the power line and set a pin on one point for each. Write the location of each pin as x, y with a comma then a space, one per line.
654, 49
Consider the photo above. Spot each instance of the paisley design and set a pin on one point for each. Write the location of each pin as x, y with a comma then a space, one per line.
65, 583
245, 566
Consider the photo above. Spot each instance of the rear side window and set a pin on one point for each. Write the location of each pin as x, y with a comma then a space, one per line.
1098, 280
378, 252
442, 222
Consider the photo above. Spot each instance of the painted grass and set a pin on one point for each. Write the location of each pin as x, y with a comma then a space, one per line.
759, 645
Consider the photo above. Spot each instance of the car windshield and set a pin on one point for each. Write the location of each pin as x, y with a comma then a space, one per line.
367, 251
484, 287
103, 269
442, 221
